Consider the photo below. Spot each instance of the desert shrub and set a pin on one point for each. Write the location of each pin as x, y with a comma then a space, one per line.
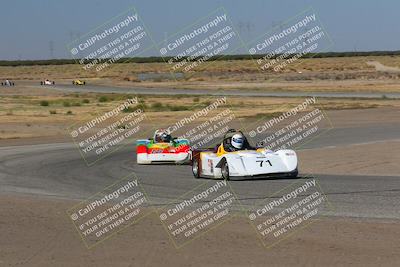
177, 108
44, 103
103, 98
157, 106
128, 110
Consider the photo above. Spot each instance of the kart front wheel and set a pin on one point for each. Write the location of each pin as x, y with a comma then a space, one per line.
225, 170
196, 168
294, 174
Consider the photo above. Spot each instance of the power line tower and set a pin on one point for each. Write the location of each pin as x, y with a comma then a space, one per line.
51, 49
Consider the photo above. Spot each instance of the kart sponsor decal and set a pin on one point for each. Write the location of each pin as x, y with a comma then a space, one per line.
156, 151
210, 165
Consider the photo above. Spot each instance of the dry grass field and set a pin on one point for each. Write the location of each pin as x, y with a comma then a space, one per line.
29, 113
340, 74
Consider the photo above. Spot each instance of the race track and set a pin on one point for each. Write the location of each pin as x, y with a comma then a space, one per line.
57, 170
203, 92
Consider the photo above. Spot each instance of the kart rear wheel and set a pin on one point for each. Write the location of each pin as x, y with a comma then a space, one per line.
196, 168
225, 170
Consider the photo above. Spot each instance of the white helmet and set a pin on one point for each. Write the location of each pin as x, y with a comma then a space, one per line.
162, 136
237, 141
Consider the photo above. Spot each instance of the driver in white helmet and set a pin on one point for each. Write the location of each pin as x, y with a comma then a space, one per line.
162, 136
236, 142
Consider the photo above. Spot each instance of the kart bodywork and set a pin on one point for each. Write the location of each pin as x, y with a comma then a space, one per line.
252, 162
7, 83
78, 82
47, 82
151, 152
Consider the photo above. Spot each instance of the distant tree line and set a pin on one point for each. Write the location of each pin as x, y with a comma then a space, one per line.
220, 57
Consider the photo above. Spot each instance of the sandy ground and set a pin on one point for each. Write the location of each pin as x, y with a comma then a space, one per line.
37, 232
377, 158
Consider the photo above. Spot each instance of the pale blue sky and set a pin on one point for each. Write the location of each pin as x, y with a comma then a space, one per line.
30, 27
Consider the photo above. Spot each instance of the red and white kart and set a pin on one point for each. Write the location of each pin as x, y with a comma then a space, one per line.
150, 151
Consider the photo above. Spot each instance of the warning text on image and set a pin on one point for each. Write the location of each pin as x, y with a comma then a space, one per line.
211, 37
199, 211
103, 134
205, 126
292, 128
289, 211
109, 211
122, 37
289, 42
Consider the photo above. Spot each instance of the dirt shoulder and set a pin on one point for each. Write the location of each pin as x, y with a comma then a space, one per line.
43, 235
36, 231
372, 158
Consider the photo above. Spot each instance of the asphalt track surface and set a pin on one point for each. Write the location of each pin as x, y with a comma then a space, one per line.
57, 170
173, 91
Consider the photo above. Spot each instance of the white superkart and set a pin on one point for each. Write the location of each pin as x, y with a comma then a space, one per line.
7, 83
249, 162
47, 82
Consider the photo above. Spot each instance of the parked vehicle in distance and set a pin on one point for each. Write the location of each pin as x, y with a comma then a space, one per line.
47, 82
7, 83
78, 82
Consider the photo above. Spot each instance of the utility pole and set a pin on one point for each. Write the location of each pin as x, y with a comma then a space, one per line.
51, 49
